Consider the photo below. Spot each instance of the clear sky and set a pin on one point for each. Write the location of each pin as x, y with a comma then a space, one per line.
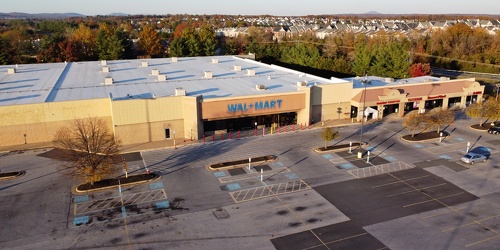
253, 7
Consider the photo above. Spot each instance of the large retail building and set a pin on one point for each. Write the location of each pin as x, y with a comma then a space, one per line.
157, 99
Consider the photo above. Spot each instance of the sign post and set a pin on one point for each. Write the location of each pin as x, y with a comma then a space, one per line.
125, 167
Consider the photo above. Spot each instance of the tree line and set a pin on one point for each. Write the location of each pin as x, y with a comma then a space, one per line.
457, 47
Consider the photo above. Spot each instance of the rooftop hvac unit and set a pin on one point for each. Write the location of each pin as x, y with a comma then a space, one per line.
105, 69
250, 72
11, 70
208, 74
104, 62
174, 59
180, 92
145, 64
108, 81
236, 67
302, 84
215, 60
162, 77
155, 72
388, 79
444, 78
260, 87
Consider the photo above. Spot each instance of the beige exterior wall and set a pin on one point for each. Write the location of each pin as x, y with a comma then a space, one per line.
304, 115
331, 93
145, 120
331, 111
192, 118
330, 99
40, 121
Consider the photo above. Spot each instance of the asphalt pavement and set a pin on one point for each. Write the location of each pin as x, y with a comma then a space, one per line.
405, 196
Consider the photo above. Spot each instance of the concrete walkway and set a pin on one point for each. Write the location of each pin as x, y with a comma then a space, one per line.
183, 142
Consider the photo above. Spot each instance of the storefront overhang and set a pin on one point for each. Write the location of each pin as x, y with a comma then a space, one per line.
415, 93
254, 106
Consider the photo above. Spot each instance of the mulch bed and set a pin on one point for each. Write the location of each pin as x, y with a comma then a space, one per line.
424, 136
337, 147
485, 127
239, 162
114, 182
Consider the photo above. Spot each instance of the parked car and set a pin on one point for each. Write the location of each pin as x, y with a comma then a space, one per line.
471, 158
494, 130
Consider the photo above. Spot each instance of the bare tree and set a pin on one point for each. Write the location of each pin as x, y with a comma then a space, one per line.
89, 148
414, 121
329, 134
438, 117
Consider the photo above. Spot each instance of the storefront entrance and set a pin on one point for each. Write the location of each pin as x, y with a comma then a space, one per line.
249, 123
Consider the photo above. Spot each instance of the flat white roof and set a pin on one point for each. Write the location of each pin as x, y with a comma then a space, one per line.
376, 81
54, 82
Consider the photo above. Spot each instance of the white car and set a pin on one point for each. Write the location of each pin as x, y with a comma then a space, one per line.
471, 158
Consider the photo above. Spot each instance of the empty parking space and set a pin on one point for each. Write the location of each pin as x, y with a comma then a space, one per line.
345, 235
113, 202
399, 193
474, 222
372, 200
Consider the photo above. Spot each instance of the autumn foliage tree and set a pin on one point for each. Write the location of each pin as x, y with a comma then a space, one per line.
89, 149
483, 110
149, 42
439, 117
415, 121
329, 134
420, 69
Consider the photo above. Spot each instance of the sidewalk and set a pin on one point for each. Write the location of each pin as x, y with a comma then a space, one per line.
170, 143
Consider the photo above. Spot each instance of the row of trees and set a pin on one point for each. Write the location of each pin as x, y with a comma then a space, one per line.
484, 110
349, 53
435, 118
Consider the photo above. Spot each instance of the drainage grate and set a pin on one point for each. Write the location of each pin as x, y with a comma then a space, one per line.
221, 213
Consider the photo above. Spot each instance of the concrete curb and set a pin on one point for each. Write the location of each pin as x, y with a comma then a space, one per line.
425, 140
318, 150
475, 129
209, 167
20, 174
76, 191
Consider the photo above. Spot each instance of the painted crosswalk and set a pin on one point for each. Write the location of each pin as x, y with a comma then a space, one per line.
379, 169
269, 190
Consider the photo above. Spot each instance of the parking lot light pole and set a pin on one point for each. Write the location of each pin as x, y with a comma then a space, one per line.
360, 153
175, 146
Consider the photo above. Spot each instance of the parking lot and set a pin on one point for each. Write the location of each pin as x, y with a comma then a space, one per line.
405, 196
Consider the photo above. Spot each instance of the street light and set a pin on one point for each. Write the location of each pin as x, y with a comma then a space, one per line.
365, 81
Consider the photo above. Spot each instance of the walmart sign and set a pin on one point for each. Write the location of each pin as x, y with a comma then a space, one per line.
256, 106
